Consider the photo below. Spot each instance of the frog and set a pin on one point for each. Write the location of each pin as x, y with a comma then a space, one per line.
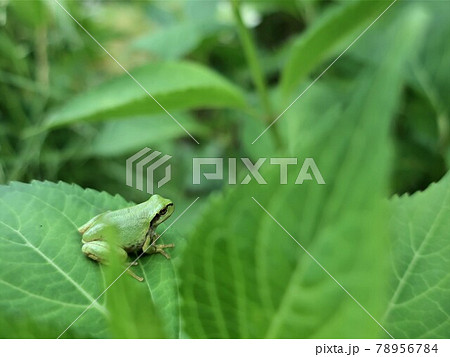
133, 229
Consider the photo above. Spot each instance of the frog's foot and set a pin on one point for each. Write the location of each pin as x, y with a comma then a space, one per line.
159, 248
94, 257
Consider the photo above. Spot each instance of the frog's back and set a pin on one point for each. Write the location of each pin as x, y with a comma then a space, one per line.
126, 213
129, 227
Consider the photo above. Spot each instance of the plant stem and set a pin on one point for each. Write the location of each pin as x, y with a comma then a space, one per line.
249, 47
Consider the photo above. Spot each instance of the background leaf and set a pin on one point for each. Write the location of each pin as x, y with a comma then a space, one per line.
176, 85
45, 276
243, 276
177, 40
419, 306
326, 37
127, 135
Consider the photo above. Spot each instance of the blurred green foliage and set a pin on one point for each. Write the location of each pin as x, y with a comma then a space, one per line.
377, 124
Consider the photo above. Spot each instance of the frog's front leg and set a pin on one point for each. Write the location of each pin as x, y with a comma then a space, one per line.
99, 251
148, 248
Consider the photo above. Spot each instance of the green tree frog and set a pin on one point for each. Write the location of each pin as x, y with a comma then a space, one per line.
133, 228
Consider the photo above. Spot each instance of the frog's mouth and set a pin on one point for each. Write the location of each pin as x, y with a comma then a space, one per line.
160, 218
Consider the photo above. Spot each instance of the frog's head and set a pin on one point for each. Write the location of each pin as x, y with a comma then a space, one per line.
160, 209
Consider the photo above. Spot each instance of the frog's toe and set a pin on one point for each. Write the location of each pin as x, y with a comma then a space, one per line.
93, 257
160, 251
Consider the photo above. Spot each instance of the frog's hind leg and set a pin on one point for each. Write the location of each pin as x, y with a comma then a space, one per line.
89, 223
99, 251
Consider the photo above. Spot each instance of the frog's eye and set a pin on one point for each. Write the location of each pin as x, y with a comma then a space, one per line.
163, 211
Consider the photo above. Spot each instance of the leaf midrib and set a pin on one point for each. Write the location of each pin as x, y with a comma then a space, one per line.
93, 301
41, 296
58, 269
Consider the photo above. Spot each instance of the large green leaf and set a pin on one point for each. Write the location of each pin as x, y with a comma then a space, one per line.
177, 40
242, 275
422, 127
328, 35
430, 71
419, 306
127, 135
175, 85
46, 279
